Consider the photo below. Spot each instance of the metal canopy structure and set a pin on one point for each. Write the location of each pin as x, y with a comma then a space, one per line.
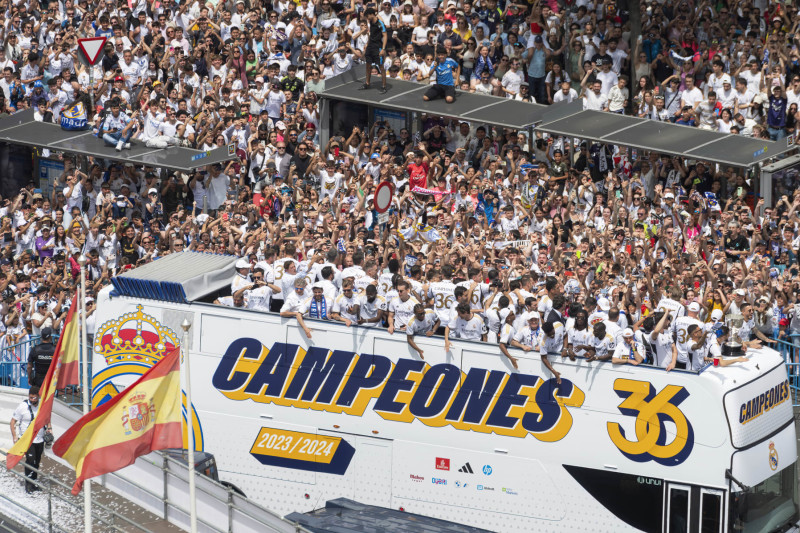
21, 128
569, 120
407, 96
181, 277
665, 137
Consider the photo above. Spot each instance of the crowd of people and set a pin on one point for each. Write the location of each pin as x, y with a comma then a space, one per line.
582, 250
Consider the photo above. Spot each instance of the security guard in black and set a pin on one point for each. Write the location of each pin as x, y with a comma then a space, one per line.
40, 357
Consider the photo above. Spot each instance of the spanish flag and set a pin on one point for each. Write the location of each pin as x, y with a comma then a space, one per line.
63, 371
144, 417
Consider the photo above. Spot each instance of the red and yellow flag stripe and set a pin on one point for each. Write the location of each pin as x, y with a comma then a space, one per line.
63, 371
146, 416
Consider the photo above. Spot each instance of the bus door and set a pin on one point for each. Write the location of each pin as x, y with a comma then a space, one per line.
677, 508
711, 510
692, 509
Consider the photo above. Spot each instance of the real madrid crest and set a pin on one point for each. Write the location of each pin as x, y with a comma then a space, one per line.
773, 456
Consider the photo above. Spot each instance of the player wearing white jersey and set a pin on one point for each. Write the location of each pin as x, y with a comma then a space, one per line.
361, 283
401, 308
529, 337
385, 283
423, 322
602, 344
441, 292
278, 270
258, 294
680, 332
666, 355
506, 334
371, 308
345, 306
579, 336
467, 326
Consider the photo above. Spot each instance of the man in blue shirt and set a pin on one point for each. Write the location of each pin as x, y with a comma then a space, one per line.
447, 72
686, 118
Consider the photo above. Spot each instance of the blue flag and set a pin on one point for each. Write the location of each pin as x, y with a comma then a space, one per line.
74, 118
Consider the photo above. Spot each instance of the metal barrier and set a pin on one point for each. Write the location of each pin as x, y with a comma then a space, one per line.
159, 484
50, 485
789, 348
14, 368
14, 362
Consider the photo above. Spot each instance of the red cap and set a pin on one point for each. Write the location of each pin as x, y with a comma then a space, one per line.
784, 322
119, 78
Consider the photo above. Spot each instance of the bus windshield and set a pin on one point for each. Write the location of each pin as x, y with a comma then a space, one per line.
766, 506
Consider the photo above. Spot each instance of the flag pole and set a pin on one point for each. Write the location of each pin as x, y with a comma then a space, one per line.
87, 487
189, 425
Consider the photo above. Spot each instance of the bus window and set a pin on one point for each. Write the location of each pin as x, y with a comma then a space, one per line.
677, 509
710, 511
767, 506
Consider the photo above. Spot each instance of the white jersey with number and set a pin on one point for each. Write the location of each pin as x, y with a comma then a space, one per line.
477, 298
360, 284
279, 272
676, 309
417, 289
442, 294
269, 273
604, 346
680, 332
384, 283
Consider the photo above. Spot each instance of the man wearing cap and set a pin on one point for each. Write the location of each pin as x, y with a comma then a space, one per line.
242, 276
630, 351
45, 244
318, 306
40, 357
601, 311
529, 337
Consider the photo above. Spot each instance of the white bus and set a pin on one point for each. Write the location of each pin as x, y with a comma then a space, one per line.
462, 436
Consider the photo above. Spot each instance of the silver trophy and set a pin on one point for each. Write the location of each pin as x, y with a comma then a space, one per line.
733, 346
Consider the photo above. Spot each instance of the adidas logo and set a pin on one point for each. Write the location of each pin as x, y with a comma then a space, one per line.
466, 469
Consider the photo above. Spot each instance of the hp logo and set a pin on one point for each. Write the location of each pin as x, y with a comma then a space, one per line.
487, 470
